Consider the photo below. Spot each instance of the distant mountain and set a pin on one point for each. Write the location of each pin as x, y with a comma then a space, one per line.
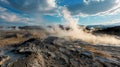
31, 27
110, 30
116, 24
102, 26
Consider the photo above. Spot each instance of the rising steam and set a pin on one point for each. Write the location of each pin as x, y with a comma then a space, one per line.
77, 33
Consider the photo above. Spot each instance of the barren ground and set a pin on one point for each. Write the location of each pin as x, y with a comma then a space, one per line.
28, 48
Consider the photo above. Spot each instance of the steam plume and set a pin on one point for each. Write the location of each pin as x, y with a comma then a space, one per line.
77, 33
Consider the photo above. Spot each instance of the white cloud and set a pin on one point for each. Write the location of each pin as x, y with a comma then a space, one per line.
33, 6
37, 8
12, 17
95, 7
88, 1
2, 9
51, 3
9, 17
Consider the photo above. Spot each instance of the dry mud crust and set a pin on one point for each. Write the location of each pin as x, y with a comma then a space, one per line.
58, 52
33, 60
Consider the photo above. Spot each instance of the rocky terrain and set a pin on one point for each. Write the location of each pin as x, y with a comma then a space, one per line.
35, 48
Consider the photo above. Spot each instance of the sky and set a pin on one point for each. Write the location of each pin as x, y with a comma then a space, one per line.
42, 12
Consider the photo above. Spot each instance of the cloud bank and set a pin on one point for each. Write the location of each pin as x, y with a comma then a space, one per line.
33, 6
14, 10
81, 7
22, 10
93, 7
8, 16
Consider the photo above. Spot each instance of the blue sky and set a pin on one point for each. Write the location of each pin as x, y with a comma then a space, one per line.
40, 12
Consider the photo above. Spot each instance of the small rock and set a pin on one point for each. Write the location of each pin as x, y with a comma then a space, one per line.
74, 63
65, 58
3, 59
87, 54
31, 45
50, 40
30, 48
62, 49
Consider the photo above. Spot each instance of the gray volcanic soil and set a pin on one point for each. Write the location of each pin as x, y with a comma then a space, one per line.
35, 48
58, 52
